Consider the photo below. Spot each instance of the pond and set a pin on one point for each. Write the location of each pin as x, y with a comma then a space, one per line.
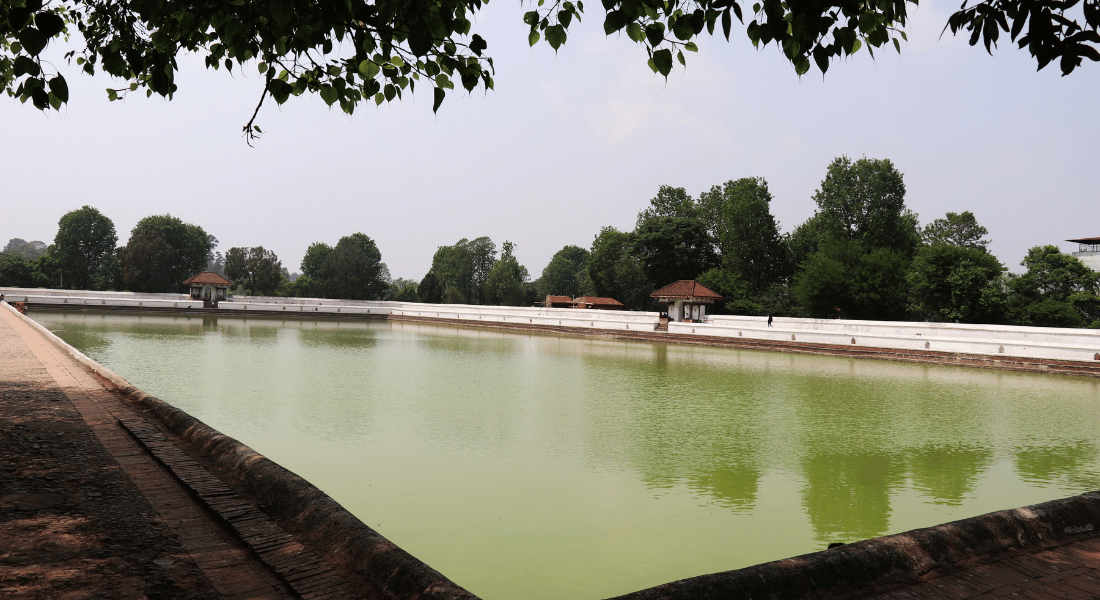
547, 466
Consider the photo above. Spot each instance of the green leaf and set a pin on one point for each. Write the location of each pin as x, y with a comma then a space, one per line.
691, 47
634, 31
727, 23
680, 57
49, 23
614, 21
262, 67
379, 98
439, 95
368, 69
390, 91
801, 64
897, 45
54, 101
565, 17
329, 94
555, 36
282, 11
533, 38
662, 60
442, 81
655, 34
33, 42
26, 66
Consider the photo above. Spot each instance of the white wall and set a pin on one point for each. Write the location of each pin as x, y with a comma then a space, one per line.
1029, 342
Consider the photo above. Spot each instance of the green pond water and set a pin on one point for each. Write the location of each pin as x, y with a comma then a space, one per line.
529, 466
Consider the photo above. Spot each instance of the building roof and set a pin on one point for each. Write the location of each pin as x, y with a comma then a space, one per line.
1093, 240
686, 288
556, 299
598, 300
208, 278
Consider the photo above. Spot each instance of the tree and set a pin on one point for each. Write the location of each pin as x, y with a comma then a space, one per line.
845, 279
567, 274
738, 214
258, 270
162, 253
865, 201
463, 270
355, 270
956, 230
362, 50
85, 238
430, 289
671, 239
1057, 290
507, 281
615, 272
403, 290
957, 283
28, 250
16, 270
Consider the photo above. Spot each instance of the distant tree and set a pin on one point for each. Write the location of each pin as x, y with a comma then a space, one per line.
956, 229
28, 250
739, 217
463, 270
85, 237
1057, 290
960, 283
864, 201
16, 270
162, 253
356, 270
567, 274
483, 253
507, 280
403, 290
258, 270
430, 289
615, 272
671, 239
844, 279
108, 276
216, 264
316, 260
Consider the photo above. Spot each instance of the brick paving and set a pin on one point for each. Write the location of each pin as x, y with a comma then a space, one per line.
239, 549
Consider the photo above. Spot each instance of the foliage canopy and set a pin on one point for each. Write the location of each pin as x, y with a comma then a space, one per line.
356, 51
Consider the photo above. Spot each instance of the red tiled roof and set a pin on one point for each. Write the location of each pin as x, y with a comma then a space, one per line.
596, 300
686, 288
208, 278
559, 299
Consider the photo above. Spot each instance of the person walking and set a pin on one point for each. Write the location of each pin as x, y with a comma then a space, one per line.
769, 320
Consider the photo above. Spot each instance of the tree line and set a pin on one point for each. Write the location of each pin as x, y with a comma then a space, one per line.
862, 255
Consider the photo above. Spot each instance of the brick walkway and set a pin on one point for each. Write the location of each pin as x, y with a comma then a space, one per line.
1069, 572
241, 551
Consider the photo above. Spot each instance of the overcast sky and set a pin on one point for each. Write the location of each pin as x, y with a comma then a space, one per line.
567, 144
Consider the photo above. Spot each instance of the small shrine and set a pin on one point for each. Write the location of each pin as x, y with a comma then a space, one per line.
209, 287
685, 300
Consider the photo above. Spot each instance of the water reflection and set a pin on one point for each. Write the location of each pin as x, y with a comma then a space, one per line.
506, 460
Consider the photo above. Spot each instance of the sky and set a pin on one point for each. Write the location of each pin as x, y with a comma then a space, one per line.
567, 143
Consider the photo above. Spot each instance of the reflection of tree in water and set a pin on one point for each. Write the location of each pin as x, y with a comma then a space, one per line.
947, 474
847, 496
733, 486
1072, 465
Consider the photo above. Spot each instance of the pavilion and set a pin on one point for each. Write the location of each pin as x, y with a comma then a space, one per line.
1088, 252
209, 287
685, 300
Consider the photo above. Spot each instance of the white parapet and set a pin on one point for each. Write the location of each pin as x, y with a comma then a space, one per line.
1002, 340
